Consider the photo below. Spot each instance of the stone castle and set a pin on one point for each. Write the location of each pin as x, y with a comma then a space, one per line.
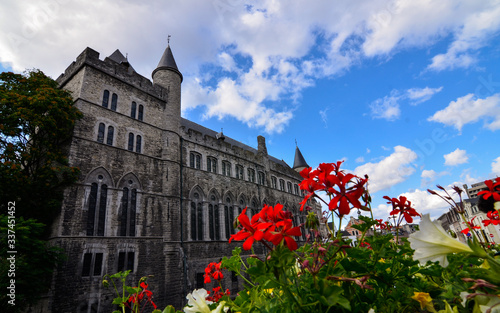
158, 194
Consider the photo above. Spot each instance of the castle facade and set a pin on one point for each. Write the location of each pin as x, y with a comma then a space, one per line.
158, 194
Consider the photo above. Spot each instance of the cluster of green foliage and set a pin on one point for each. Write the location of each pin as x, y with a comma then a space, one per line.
36, 124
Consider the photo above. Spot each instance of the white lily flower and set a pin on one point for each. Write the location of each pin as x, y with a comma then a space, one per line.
432, 243
198, 304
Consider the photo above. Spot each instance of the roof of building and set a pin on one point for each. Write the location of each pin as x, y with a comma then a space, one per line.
118, 57
206, 131
167, 62
299, 163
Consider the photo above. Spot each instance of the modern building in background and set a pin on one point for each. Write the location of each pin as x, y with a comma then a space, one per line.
158, 194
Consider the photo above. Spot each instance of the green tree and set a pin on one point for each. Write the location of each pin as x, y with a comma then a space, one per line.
36, 124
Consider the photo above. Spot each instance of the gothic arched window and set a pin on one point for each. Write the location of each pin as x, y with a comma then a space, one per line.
96, 217
133, 109
196, 218
105, 98
213, 218
128, 211
228, 218
114, 101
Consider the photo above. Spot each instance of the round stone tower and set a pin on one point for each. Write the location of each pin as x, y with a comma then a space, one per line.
168, 76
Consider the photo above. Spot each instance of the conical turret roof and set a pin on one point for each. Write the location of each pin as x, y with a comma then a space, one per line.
299, 163
167, 62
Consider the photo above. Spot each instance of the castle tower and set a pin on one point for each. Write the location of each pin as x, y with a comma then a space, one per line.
168, 76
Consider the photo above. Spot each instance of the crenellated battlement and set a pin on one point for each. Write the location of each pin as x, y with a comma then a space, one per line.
122, 71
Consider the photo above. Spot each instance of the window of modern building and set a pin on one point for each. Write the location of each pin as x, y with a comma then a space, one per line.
226, 168
213, 218
251, 175
261, 178
133, 109
274, 182
141, 112
282, 185
239, 171
105, 98
196, 218
289, 187
126, 261
96, 217
114, 101
212, 164
92, 264
195, 160
128, 212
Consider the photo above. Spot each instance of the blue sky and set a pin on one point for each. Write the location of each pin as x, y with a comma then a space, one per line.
407, 92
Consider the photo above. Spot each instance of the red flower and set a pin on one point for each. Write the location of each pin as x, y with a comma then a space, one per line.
217, 294
139, 296
284, 230
402, 207
493, 218
493, 190
250, 230
213, 271
470, 226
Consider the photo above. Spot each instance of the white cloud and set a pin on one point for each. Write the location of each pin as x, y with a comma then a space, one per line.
324, 116
470, 109
264, 47
360, 159
495, 166
429, 176
390, 171
477, 28
456, 157
387, 107
419, 95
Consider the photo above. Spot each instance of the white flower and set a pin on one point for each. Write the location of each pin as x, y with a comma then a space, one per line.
432, 243
198, 304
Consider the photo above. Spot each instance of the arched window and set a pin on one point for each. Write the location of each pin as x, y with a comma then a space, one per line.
195, 160
196, 218
131, 142
114, 101
212, 164
100, 133
138, 143
213, 218
141, 112
133, 109
96, 217
105, 98
228, 218
109, 140
128, 211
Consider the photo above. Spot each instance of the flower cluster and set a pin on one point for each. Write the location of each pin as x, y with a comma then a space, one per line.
470, 227
402, 207
271, 224
493, 190
493, 218
213, 271
344, 189
135, 299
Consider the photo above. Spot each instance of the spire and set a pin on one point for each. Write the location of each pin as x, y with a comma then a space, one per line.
299, 163
167, 61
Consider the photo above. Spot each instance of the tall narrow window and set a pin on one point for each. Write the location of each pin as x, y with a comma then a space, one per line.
213, 216
282, 185
128, 212
251, 175
296, 189
289, 187
100, 133
228, 218
196, 218
92, 264
261, 178
126, 261
274, 182
114, 101
141, 112
226, 168
111, 131
212, 164
194, 160
131, 142
133, 108
105, 98
239, 171
97, 209
138, 143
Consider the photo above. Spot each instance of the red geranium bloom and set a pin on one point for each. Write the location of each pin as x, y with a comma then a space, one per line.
251, 230
403, 207
471, 226
213, 271
344, 195
138, 297
493, 190
493, 218
284, 230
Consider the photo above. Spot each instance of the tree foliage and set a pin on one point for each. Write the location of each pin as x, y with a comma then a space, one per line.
36, 123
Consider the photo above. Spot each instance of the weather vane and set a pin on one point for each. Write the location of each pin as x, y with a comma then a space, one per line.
168, 39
